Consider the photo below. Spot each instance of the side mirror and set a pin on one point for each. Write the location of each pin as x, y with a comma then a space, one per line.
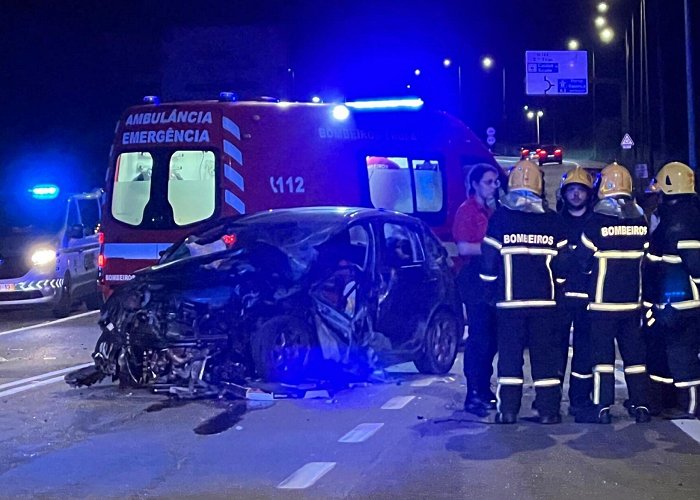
76, 231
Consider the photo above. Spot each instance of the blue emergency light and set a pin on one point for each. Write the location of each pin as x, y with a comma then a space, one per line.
410, 103
151, 99
44, 191
228, 96
341, 112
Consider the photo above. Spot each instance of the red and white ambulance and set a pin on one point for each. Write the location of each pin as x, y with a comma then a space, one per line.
178, 165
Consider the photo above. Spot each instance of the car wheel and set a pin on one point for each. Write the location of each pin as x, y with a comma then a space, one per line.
94, 301
440, 347
561, 161
63, 306
281, 349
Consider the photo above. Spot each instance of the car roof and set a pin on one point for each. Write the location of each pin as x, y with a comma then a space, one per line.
326, 215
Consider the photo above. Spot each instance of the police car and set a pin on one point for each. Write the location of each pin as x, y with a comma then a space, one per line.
49, 248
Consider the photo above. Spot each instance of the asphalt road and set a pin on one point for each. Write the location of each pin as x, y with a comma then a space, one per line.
405, 438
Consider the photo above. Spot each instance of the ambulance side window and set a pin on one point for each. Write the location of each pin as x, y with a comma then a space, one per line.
390, 183
429, 191
192, 186
132, 186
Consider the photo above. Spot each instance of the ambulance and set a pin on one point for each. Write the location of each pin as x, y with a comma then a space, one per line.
176, 166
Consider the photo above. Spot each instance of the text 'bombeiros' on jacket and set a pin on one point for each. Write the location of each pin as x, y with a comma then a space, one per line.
671, 271
521, 256
612, 247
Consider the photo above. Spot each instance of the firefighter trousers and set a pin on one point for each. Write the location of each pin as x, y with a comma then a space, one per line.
606, 327
572, 311
662, 392
681, 335
480, 348
534, 328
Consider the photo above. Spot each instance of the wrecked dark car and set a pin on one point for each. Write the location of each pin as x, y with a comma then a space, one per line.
284, 295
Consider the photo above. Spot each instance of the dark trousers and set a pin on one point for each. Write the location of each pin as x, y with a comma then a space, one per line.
681, 335
536, 329
480, 347
662, 392
623, 326
572, 311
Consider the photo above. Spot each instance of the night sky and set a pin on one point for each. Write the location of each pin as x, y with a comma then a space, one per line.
69, 68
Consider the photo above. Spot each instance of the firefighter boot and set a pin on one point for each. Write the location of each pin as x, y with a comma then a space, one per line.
596, 414
476, 405
506, 418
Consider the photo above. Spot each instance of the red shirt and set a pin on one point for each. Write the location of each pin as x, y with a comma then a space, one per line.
471, 221
470, 224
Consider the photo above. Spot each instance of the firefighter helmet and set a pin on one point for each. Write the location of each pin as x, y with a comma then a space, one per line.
577, 175
614, 180
674, 178
527, 176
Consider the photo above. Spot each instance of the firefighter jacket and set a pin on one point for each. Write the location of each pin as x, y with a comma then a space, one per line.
520, 253
576, 286
612, 246
671, 269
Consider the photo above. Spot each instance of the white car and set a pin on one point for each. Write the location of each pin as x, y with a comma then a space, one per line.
48, 249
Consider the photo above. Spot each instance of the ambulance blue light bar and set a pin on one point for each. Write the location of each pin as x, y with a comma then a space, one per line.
151, 99
44, 191
412, 103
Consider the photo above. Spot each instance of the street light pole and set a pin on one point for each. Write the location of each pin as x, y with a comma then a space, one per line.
692, 159
537, 121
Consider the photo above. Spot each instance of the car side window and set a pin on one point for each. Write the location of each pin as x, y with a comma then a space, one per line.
359, 245
73, 215
401, 246
89, 215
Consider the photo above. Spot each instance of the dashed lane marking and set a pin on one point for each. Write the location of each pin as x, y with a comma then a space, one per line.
397, 402
37, 381
424, 382
690, 427
306, 476
360, 433
48, 323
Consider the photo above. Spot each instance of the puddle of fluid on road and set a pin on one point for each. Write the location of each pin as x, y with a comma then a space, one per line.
223, 421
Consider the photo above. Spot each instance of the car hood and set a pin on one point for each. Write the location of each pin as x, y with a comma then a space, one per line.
20, 242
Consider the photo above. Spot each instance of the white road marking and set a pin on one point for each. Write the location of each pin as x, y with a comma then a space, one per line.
306, 476
397, 402
31, 381
424, 382
360, 433
48, 323
690, 427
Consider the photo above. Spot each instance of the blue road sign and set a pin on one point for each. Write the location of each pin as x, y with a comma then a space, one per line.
572, 86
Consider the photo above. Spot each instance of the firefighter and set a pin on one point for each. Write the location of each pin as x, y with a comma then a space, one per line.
520, 261
671, 278
469, 229
575, 193
612, 245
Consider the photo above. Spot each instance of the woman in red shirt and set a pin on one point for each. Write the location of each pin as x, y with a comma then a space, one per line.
469, 229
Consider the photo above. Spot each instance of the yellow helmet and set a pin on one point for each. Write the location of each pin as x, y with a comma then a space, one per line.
674, 178
614, 180
577, 175
527, 176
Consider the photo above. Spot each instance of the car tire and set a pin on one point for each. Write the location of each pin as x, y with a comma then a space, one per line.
442, 336
64, 304
560, 162
94, 301
281, 349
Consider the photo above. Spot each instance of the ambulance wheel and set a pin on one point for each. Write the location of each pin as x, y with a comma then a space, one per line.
442, 337
63, 306
281, 349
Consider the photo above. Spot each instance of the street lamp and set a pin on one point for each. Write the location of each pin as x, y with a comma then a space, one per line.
600, 21
536, 114
607, 35
602, 7
573, 44
487, 62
